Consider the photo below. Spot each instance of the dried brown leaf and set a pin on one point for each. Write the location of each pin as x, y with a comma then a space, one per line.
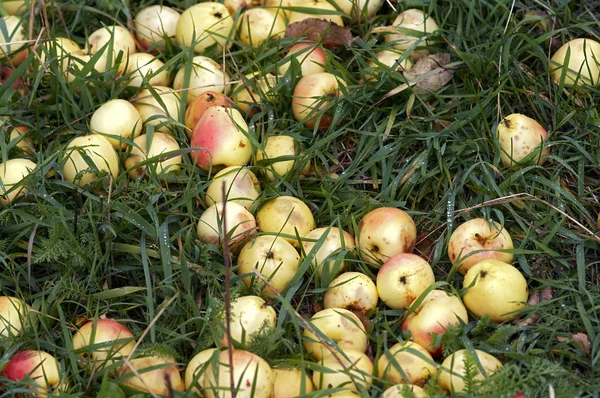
581, 339
331, 35
430, 73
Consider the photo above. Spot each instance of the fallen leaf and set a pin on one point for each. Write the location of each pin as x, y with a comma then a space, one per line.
329, 34
429, 73
534, 299
581, 339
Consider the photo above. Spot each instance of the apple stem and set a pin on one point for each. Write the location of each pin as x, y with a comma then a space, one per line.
480, 239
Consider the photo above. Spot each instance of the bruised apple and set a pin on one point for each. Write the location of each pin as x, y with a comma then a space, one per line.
41, 368
98, 151
354, 291
286, 215
148, 146
351, 369
241, 186
12, 173
115, 120
416, 363
202, 102
240, 225
334, 241
291, 383
249, 315
154, 374
13, 315
521, 138
196, 369
454, 369
313, 96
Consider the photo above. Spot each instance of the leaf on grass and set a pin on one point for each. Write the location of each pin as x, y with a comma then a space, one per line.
581, 339
329, 34
430, 73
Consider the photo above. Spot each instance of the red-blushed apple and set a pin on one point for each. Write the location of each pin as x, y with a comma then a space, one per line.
385, 232
145, 68
478, 239
580, 57
256, 25
453, 369
153, 24
402, 279
313, 96
412, 19
406, 363
286, 215
437, 311
204, 25
341, 326
222, 133
249, 315
254, 89
41, 368
196, 368
273, 257
335, 241
496, 289
103, 342
205, 75
241, 186
115, 120
12, 40
156, 374
12, 174
24, 142
387, 59
98, 150
353, 291
521, 138
311, 57
240, 228
404, 391
351, 369
14, 314
252, 376
197, 108
158, 107
148, 146
291, 383
303, 9
276, 147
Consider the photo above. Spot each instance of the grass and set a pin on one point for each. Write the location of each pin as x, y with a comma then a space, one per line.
128, 249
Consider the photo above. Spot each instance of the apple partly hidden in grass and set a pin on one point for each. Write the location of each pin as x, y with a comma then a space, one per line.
305, 9
338, 325
453, 369
311, 57
153, 24
14, 7
196, 369
240, 225
385, 232
353, 291
522, 138
234, 5
411, 19
313, 96
115, 120
58, 48
402, 279
387, 59
24, 142
286, 215
579, 61
249, 315
148, 146
273, 257
14, 313
256, 25
205, 75
41, 368
336, 241
495, 288
12, 173
12, 40
145, 68
156, 374
196, 109
434, 315
252, 90
158, 107
98, 150
358, 9
406, 363
351, 369
404, 391
204, 25
241, 186
291, 383
275, 147
252, 376
476, 240
114, 37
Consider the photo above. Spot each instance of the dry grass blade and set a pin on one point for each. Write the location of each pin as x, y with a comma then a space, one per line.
227, 260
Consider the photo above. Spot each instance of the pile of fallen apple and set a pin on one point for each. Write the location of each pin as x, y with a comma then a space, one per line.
268, 240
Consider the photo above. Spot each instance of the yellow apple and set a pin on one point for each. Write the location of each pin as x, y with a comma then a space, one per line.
453, 369
412, 19
256, 25
98, 150
12, 39
196, 370
578, 60
406, 363
311, 57
204, 25
24, 142
205, 75
291, 383
354, 291
275, 147
158, 107
286, 215
335, 241
521, 137
387, 59
155, 23
404, 391
249, 315
116, 120
12, 174
240, 225
14, 7
252, 90
154, 374
351, 369
13, 316
241, 187
145, 68
147, 146
312, 98
304, 8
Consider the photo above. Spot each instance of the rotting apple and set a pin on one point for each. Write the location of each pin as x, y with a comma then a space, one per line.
144, 68
287, 216
454, 369
241, 186
579, 61
495, 288
14, 314
116, 120
411, 19
196, 369
336, 241
205, 75
197, 108
476, 240
155, 374
158, 107
404, 391
98, 151
12, 174
249, 315
402, 279
240, 227
291, 383
153, 24
313, 96
521, 138
406, 363
148, 146
353, 291
41, 368
204, 25
311, 57
351, 369
385, 232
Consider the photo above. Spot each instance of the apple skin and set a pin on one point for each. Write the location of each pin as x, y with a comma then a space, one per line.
241, 225
452, 370
222, 132
119, 118
354, 372
12, 172
337, 239
311, 58
385, 232
160, 380
204, 25
144, 149
291, 383
154, 23
14, 314
202, 102
416, 369
437, 311
478, 234
583, 65
341, 326
286, 215
24, 143
312, 95
196, 369
14, 7
519, 136
397, 391
249, 315
39, 366
496, 289
402, 279
353, 291
389, 59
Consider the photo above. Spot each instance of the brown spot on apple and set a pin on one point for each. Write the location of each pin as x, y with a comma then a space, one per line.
242, 145
403, 280
506, 123
483, 274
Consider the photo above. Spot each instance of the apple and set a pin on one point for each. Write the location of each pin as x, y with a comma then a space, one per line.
435, 314
276, 147
252, 90
14, 313
222, 133
24, 142
204, 25
358, 9
112, 36
581, 59
404, 391
155, 374
205, 75
252, 376
402, 279
241, 225
273, 257
346, 393
12, 40
406, 363
411, 19
234, 5
312, 98
298, 14
256, 25
73, 64
353, 291
249, 316
385, 232
291, 383
336, 325
158, 107
12, 173
103, 342
476, 240
116, 120
351, 369
6, 72
202, 102
196, 369
310, 56
241, 186
387, 59
98, 150
39, 367
58, 48
153, 24
453, 369
336, 240
145, 68
287, 216
14, 7
496, 289
147, 146
522, 137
